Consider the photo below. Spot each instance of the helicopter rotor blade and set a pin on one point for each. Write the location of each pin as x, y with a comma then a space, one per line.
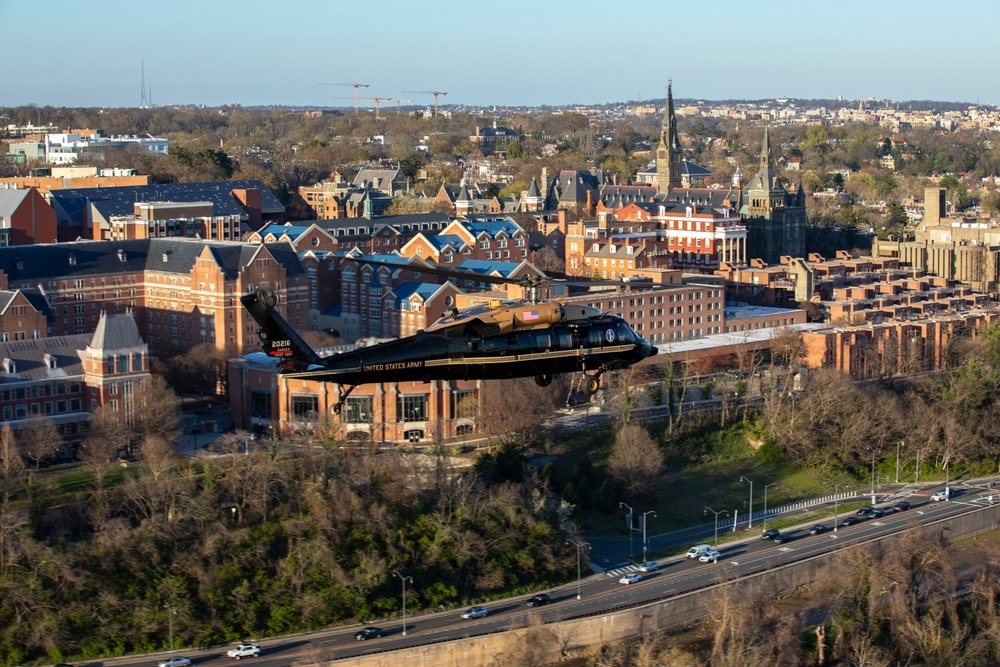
523, 281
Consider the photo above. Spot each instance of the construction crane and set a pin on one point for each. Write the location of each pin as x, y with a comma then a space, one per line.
376, 100
357, 110
435, 93
397, 104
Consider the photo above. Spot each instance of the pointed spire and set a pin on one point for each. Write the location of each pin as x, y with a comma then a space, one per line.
765, 155
533, 190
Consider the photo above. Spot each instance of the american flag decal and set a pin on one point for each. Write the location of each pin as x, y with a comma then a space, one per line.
531, 315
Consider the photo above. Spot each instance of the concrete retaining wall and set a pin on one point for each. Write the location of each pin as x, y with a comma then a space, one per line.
560, 638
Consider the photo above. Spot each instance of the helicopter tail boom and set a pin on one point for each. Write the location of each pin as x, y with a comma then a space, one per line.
277, 338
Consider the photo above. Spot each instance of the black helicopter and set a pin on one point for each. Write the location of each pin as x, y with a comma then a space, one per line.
501, 340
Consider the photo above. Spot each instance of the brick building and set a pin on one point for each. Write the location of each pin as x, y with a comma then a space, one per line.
25, 218
86, 212
182, 292
24, 315
65, 378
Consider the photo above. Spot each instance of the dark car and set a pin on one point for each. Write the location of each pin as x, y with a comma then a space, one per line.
539, 600
901, 506
784, 537
866, 510
819, 528
368, 633
770, 534
850, 521
877, 513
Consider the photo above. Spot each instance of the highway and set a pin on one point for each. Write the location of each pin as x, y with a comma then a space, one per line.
600, 593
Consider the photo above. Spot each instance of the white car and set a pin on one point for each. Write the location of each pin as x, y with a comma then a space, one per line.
649, 566
244, 651
943, 494
709, 556
176, 661
475, 612
630, 578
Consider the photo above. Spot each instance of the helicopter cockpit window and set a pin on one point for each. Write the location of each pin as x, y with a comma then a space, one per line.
625, 333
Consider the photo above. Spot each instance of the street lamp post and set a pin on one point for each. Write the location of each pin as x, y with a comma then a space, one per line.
765, 501
644, 533
404, 580
947, 496
171, 612
898, 445
750, 513
874, 452
836, 500
709, 509
631, 552
916, 481
578, 546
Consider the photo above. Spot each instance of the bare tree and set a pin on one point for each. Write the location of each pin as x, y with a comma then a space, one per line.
11, 462
39, 439
100, 449
636, 462
157, 409
158, 453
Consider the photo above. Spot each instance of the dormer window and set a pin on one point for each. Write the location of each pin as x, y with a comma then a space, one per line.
50, 362
10, 366
72, 260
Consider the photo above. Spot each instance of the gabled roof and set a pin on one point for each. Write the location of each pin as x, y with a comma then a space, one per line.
406, 290
10, 200
376, 177
493, 227
442, 241
32, 295
488, 268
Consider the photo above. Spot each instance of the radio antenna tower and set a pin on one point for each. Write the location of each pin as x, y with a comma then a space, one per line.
143, 102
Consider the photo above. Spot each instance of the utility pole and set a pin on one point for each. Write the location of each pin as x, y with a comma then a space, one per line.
578, 546
765, 502
171, 612
898, 445
874, 452
644, 533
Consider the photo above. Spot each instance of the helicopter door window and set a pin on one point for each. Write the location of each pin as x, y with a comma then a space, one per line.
625, 334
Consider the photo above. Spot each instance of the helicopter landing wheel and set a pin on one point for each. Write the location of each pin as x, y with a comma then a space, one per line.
543, 380
592, 385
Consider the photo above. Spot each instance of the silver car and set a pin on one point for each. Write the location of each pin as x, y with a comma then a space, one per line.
175, 661
475, 612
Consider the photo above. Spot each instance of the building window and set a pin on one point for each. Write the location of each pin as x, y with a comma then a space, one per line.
305, 406
260, 404
358, 410
411, 408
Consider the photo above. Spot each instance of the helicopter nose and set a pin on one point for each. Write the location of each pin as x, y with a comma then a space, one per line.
648, 349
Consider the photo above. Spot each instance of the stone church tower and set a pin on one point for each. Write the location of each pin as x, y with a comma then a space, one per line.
668, 152
775, 218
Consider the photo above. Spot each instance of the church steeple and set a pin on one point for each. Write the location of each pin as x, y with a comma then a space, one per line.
765, 153
668, 152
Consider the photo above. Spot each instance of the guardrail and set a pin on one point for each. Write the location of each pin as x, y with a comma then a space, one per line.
802, 504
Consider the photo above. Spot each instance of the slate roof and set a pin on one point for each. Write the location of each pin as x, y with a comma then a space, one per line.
382, 176
487, 268
121, 200
117, 333
292, 231
423, 290
29, 358
33, 295
10, 200
492, 227
443, 240
53, 261
533, 190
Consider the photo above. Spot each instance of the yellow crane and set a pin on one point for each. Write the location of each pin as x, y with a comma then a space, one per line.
435, 93
357, 110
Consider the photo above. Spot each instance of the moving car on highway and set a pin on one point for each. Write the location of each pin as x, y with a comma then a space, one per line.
631, 578
819, 528
249, 650
709, 556
475, 612
368, 633
176, 661
649, 566
539, 600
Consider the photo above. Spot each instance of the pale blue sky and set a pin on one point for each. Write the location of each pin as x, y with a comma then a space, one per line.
89, 52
